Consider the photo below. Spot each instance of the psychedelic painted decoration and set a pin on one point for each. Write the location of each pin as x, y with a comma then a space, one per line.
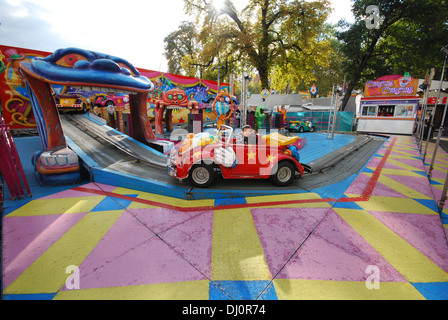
57, 163
2, 64
391, 85
199, 90
174, 98
313, 90
17, 110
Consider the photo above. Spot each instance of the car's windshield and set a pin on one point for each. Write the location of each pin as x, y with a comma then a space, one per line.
225, 132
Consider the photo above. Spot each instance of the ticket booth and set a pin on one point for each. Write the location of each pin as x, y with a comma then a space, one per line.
390, 105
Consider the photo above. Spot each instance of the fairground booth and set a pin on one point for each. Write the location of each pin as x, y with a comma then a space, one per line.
390, 105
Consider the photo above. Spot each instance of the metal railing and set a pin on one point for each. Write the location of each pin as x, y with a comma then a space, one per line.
10, 166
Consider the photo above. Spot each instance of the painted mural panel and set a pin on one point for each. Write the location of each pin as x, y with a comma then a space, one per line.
15, 101
199, 90
17, 109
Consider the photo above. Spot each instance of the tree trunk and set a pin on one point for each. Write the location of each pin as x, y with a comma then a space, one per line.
264, 77
263, 49
350, 88
357, 75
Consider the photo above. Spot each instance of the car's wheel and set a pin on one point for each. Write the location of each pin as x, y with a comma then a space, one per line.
201, 175
312, 129
283, 174
84, 108
301, 129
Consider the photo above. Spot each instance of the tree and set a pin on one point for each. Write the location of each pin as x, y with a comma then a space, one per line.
181, 47
407, 34
266, 35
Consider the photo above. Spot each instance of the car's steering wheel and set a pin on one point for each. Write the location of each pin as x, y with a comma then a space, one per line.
223, 128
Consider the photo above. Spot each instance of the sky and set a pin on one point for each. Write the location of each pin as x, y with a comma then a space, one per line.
129, 29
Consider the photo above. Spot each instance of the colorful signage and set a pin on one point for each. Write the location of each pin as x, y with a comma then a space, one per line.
432, 100
392, 85
313, 90
265, 93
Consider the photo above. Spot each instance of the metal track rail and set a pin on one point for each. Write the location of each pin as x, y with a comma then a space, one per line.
120, 142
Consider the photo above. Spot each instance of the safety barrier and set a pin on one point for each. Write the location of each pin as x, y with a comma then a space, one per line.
10, 166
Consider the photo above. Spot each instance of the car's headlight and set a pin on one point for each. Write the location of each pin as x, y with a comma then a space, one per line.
171, 159
183, 160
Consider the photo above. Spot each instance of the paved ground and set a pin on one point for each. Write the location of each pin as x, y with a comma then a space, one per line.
382, 239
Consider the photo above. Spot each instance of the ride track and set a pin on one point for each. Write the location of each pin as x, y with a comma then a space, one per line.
100, 146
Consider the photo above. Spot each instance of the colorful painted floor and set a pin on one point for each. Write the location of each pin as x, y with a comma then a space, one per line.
383, 240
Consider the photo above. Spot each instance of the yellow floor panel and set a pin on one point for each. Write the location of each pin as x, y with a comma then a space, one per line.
404, 150
343, 290
403, 189
284, 197
192, 290
441, 158
237, 253
48, 272
57, 206
403, 165
400, 156
398, 172
290, 197
407, 260
163, 199
389, 204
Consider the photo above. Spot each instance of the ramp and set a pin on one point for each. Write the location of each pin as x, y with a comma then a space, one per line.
114, 158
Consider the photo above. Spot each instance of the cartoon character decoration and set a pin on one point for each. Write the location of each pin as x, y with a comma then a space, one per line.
223, 108
405, 80
260, 115
56, 163
313, 90
282, 111
174, 98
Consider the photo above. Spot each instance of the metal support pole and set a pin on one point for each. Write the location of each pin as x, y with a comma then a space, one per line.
243, 101
421, 121
333, 114
330, 115
441, 203
439, 135
434, 111
336, 106
219, 84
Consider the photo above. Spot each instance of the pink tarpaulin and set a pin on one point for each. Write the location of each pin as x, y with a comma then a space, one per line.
179, 79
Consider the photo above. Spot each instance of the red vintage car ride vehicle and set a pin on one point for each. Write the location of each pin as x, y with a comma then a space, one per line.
203, 156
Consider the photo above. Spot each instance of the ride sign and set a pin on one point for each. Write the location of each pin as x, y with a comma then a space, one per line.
391, 85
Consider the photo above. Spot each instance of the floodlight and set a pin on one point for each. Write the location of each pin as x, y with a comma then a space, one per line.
445, 50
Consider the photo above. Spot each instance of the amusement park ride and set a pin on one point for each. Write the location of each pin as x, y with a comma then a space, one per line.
199, 158
202, 156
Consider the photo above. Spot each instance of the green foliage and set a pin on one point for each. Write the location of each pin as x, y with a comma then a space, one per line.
278, 39
181, 45
409, 39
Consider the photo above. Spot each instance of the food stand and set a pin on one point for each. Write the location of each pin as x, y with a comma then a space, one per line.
390, 105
